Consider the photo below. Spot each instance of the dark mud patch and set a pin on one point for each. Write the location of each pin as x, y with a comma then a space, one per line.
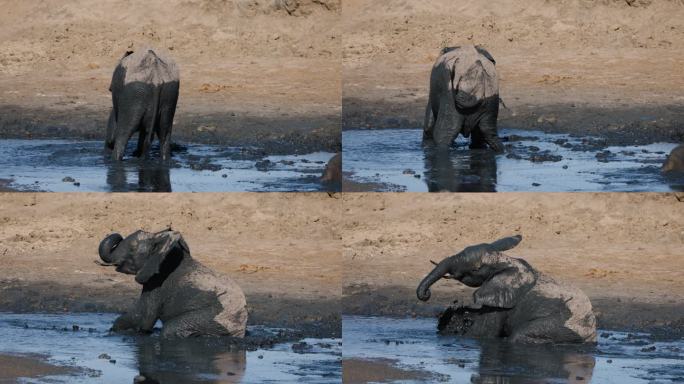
83, 341
413, 344
619, 126
310, 317
70, 166
286, 135
29, 366
396, 160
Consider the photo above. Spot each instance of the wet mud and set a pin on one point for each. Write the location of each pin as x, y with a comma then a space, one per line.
396, 160
83, 345
69, 166
413, 345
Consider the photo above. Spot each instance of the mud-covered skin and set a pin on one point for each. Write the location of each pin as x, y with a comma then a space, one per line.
463, 98
675, 161
332, 174
513, 300
190, 299
443, 176
144, 96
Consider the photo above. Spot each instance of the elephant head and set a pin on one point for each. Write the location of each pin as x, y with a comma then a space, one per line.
144, 254
502, 280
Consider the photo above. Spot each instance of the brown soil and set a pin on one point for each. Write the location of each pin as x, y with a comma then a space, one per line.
251, 72
601, 67
284, 250
356, 371
624, 250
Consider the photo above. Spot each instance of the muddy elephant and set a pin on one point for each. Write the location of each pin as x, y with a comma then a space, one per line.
144, 91
463, 98
513, 300
189, 298
332, 175
675, 161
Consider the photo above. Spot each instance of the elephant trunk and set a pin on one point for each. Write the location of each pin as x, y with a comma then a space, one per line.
107, 246
423, 291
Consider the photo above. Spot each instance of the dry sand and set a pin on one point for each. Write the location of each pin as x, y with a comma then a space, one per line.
284, 250
624, 250
601, 67
251, 72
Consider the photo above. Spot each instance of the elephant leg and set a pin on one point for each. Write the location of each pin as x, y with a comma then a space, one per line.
167, 110
543, 330
111, 129
429, 122
487, 124
477, 140
478, 323
130, 115
193, 324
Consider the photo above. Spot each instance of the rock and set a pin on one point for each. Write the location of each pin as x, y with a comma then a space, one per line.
301, 347
409, 172
77, 184
139, 379
104, 356
112, 361
68, 179
648, 349
75, 327
536, 184
263, 165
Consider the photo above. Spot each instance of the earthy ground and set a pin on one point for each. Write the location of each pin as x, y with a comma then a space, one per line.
609, 68
284, 250
28, 366
624, 250
252, 72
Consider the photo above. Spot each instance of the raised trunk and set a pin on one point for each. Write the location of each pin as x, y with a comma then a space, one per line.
423, 291
107, 246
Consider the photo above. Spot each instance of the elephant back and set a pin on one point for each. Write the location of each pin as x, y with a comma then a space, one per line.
473, 74
149, 66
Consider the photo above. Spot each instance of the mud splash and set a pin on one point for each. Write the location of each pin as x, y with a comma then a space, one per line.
82, 342
412, 345
71, 166
395, 160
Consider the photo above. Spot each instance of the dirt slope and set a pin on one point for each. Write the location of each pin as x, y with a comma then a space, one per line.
581, 65
250, 70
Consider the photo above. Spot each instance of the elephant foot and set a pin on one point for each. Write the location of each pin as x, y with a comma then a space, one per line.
484, 322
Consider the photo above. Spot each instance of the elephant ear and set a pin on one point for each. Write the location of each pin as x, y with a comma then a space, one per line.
166, 243
485, 53
505, 288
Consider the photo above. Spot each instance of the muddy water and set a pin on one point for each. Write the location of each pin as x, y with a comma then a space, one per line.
413, 346
100, 357
70, 166
395, 160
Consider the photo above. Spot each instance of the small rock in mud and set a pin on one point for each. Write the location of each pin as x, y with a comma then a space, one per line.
77, 184
68, 179
648, 349
301, 347
604, 156
287, 162
565, 166
260, 356
263, 165
533, 148
579, 378
545, 156
514, 156
536, 184
609, 361
205, 164
139, 379
230, 373
112, 361
224, 176
75, 327
417, 176
104, 356
409, 172
520, 138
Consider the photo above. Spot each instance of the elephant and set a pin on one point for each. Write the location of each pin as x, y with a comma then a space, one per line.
513, 300
189, 298
144, 91
463, 98
675, 161
332, 175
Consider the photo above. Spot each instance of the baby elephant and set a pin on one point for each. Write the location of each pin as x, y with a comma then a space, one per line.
144, 95
189, 298
463, 98
513, 299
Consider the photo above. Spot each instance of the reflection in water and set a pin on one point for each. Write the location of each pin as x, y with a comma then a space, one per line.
472, 171
152, 177
505, 363
161, 361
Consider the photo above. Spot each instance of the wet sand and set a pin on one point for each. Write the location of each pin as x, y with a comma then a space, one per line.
28, 366
377, 371
282, 249
629, 263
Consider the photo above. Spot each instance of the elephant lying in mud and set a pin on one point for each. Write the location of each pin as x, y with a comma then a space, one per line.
675, 161
513, 300
463, 98
189, 298
144, 95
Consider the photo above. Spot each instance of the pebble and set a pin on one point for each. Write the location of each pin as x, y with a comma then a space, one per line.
104, 356
68, 179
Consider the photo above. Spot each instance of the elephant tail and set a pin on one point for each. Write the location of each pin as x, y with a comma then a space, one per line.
429, 122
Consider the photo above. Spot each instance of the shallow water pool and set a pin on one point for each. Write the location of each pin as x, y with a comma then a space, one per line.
100, 357
71, 166
395, 160
414, 346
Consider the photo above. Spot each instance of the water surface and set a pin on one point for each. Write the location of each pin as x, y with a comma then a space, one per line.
395, 160
414, 345
71, 166
101, 357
